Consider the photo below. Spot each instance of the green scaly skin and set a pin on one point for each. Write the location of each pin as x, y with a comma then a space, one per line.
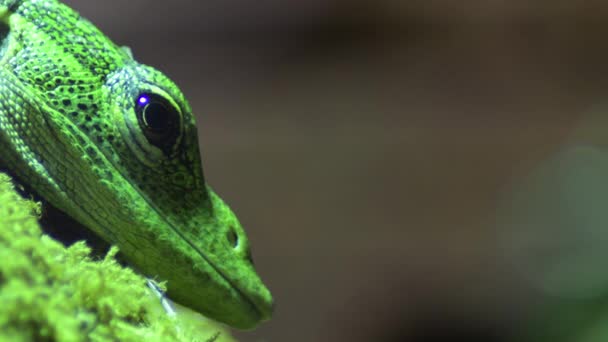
70, 130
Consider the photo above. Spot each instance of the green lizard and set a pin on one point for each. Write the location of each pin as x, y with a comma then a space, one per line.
113, 144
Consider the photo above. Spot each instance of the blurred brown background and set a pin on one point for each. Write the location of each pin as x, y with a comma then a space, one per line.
365, 144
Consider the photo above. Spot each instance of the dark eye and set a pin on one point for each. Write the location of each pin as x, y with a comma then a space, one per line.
158, 119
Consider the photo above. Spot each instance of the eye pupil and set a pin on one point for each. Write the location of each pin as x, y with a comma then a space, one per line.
156, 116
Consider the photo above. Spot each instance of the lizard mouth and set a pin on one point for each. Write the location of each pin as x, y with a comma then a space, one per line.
242, 301
257, 308
249, 306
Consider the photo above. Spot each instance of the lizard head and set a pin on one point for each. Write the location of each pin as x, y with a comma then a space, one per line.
119, 153
208, 261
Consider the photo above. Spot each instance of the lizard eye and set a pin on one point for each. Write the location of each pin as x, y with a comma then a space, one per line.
158, 119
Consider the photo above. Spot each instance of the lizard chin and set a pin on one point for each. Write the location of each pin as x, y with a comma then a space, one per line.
221, 282
248, 312
261, 310
239, 303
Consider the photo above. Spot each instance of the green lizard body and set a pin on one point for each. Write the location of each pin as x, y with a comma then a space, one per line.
113, 144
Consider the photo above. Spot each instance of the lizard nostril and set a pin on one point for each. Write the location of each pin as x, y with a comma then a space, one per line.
233, 239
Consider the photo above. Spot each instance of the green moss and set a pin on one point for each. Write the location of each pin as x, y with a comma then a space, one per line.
52, 293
